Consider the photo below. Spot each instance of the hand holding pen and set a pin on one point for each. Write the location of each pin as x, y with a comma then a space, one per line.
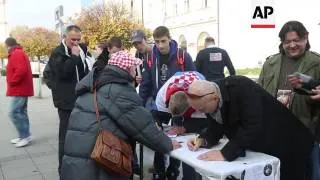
195, 143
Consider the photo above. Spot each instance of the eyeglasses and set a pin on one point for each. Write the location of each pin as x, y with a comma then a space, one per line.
197, 96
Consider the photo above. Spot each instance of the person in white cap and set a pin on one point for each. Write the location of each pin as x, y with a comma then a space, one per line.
121, 112
252, 119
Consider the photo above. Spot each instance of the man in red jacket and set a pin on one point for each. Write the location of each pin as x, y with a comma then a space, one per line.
19, 88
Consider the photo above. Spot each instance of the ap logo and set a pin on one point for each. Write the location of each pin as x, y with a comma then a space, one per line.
262, 12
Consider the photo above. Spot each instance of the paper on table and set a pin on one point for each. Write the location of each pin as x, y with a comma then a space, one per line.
252, 163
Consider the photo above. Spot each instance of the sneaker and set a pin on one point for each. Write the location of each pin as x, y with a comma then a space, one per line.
15, 141
172, 175
24, 142
159, 176
151, 170
137, 171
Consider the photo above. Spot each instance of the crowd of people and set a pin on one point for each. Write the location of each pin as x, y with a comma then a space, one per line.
278, 115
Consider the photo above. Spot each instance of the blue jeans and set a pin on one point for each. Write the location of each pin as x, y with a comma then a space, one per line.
316, 162
19, 115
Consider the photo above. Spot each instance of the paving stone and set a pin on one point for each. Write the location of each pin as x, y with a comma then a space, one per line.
53, 175
34, 177
16, 163
53, 158
21, 172
47, 167
38, 148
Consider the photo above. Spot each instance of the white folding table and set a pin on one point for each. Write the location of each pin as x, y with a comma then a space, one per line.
254, 166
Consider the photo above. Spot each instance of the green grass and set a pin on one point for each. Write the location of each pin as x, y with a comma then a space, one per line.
247, 71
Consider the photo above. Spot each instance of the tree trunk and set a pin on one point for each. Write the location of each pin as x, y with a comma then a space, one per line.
39, 79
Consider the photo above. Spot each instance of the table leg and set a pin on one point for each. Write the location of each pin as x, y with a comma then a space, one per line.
141, 160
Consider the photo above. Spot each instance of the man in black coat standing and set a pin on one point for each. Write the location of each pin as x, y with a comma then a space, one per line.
68, 66
252, 120
211, 61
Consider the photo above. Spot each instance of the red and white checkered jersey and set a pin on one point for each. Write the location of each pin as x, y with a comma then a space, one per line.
178, 82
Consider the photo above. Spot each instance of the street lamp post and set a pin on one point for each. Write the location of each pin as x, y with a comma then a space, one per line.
218, 19
39, 79
142, 18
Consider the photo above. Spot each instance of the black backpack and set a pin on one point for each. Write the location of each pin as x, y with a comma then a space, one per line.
48, 76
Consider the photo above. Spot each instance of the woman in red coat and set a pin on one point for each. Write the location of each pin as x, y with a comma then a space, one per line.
19, 88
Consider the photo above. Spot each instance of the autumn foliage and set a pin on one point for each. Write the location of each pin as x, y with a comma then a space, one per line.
100, 22
36, 41
3, 52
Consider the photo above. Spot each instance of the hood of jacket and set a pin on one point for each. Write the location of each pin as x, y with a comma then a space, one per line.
173, 50
110, 74
16, 47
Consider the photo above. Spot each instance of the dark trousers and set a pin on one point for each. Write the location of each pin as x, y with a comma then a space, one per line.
63, 126
316, 162
135, 163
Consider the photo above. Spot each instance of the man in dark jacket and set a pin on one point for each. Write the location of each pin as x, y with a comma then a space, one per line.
144, 50
252, 120
166, 59
121, 112
19, 88
212, 60
68, 66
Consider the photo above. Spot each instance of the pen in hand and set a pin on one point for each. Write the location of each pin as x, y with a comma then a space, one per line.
195, 140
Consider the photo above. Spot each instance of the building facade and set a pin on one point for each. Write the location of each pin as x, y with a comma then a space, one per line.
4, 28
189, 21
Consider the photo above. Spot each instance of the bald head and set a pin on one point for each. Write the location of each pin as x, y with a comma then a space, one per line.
202, 96
201, 88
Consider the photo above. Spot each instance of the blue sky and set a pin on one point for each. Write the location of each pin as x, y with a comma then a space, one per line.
34, 13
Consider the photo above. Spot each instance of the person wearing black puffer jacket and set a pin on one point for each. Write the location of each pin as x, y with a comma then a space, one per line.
115, 94
103, 57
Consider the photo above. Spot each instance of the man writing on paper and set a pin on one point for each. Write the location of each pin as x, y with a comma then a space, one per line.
172, 103
253, 120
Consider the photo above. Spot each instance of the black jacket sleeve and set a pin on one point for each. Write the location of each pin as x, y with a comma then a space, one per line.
66, 66
229, 64
213, 133
145, 88
250, 116
199, 62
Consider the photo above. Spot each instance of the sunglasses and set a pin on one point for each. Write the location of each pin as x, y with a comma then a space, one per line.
192, 96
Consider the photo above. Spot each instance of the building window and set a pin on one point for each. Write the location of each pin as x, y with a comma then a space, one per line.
183, 42
204, 3
176, 8
186, 6
200, 42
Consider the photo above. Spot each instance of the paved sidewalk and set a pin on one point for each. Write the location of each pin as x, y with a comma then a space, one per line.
38, 161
